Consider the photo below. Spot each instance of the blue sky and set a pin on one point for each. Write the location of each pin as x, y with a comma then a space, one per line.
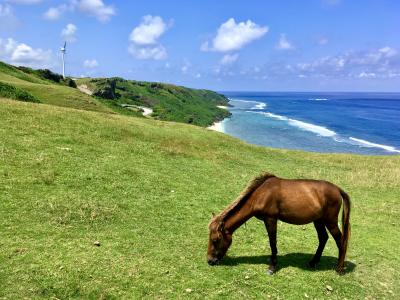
282, 45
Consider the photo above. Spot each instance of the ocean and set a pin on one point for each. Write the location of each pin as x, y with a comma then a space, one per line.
362, 123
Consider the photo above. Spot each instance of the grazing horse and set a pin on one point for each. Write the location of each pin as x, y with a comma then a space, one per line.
270, 198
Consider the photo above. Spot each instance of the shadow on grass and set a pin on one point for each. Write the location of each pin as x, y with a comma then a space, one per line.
298, 260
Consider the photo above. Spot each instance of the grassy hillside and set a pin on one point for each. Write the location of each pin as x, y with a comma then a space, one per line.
48, 91
113, 95
169, 102
145, 191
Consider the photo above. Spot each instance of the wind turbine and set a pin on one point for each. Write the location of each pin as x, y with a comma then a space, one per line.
63, 51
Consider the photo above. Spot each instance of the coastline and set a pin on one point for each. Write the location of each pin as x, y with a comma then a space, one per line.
282, 131
218, 126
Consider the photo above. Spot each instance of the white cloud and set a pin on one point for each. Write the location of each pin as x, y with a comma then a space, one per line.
90, 63
323, 41
229, 59
233, 36
7, 46
68, 33
184, 69
149, 30
157, 52
374, 63
8, 20
54, 13
5, 10
284, 44
144, 39
25, 2
367, 75
23, 54
186, 66
97, 9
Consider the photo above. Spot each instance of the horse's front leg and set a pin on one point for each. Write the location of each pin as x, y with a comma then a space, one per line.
271, 225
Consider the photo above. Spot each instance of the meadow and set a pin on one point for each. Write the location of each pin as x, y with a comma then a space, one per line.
104, 206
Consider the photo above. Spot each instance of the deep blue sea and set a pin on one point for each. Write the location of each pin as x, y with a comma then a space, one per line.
363, 123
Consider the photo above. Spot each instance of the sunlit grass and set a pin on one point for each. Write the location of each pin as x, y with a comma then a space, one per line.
146, 190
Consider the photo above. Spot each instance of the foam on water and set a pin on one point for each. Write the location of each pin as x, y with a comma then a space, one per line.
364, 143
318, 99
319, 130
259, 106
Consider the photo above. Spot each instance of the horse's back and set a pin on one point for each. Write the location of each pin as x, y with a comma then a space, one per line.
298, 201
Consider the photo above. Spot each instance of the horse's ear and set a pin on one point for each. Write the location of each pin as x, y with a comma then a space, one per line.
221, 225
213, 214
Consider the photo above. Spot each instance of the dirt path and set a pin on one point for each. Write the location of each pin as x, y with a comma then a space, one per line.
83, 88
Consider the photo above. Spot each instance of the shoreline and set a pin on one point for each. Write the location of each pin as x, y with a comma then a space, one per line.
217, 126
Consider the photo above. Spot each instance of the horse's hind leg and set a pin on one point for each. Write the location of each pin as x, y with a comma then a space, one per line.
322, 238
337, 235
271, 225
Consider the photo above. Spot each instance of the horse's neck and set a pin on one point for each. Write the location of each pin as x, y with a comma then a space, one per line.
239, 217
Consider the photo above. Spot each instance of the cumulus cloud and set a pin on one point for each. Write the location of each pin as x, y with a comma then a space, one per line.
68, 33
232, 36
374, 63
157, 52
54, 13
144, 38
149, 30
97, 9
284, 44
229, 59
367, 75
90, 63
22, 54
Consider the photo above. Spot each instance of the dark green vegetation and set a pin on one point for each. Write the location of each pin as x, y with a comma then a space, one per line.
169, 102
12, 92
145, 190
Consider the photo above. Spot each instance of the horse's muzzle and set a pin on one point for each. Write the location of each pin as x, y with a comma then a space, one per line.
213, 261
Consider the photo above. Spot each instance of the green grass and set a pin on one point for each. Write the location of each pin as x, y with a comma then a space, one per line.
169, 102
146, 189
12, 92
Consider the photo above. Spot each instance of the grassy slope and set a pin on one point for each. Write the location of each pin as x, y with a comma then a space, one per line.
169, 102
48, 92
146, 190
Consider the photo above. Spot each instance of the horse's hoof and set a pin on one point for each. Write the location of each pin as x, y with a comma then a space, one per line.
340, 271
270, 272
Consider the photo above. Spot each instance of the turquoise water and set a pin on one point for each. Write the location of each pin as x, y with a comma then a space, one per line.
363, 123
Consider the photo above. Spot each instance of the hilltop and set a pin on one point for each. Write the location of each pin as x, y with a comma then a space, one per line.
99, 205
113, 95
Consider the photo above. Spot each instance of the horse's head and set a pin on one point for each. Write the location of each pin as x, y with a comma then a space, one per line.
219, 241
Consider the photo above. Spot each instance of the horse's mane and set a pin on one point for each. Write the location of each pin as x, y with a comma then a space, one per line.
244, 195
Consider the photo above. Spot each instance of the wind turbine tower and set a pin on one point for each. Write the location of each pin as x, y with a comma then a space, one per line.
63, 51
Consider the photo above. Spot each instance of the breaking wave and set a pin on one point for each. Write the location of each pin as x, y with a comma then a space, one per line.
325, 132
364, 143
319, 130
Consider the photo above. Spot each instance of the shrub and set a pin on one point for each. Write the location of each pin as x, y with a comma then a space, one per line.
12, 92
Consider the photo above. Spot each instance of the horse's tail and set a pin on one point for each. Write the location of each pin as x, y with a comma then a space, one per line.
345, 221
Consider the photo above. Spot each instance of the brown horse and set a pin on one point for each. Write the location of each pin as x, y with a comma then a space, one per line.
270, 199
